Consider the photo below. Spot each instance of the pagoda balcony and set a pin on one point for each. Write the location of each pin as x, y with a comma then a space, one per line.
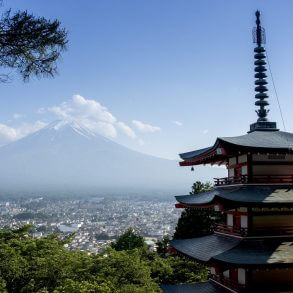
235, 286
255, 179
259, 231
236, 231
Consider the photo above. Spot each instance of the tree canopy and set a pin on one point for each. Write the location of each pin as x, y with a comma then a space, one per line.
44, 265
30, 45
162, 246
128, 240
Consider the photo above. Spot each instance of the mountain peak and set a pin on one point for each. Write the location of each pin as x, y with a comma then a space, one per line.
63, 125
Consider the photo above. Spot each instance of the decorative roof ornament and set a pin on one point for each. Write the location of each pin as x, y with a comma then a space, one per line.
259, 38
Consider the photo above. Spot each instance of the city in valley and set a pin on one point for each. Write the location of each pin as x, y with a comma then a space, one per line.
95, 221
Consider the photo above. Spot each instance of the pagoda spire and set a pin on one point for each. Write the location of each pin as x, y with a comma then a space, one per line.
260, 69
261, 95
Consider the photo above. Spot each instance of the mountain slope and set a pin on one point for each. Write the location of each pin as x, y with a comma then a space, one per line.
65, 156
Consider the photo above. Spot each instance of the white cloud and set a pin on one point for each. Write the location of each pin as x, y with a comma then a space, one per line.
178, 123
205, 131
86, 112
9, 133
126, 129
106, 129
93, 115
144, 127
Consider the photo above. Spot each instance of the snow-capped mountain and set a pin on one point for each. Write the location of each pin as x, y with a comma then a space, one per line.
68, 157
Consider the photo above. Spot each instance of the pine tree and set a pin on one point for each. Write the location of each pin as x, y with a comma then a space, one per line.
30, 45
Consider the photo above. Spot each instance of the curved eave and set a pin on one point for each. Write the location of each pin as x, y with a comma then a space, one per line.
204, 248
234, 251
202, 156
243, 195
267, 140
197, 153
203, 199
256, 141
268, 252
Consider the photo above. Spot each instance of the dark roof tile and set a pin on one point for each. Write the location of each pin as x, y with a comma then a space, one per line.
237, 251
244, 194
204, 248
190, 155
278, 140
207, 287
259, 252
262, 139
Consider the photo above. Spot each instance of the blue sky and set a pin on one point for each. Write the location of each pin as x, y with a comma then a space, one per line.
175, 73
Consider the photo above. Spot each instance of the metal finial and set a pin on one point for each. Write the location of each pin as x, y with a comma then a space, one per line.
260, 82
260, 69
259, 36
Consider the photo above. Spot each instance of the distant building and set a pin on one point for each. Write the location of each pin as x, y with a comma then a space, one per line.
252, 251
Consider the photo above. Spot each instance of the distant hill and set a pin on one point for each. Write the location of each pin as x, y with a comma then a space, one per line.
65, 156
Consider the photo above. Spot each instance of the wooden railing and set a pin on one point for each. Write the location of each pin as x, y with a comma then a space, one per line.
244, 179
224, 228
228, 283
259, 231
231, 180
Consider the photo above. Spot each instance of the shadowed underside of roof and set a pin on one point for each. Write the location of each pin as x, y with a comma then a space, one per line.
207, 287
251, 195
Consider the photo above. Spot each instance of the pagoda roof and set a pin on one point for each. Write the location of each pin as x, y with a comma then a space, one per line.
262, 139
259, 252
205, 248
253, 195
206, 287
192, 154
253, 141
268, 251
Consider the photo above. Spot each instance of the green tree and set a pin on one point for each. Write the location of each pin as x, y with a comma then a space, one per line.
2, 286
44, 265
185, 271
30, 45
162, 246
195, 222
84, 287
128, 240
32, 265
126, 270
199, 187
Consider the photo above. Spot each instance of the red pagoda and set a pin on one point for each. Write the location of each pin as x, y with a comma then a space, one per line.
252, 250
